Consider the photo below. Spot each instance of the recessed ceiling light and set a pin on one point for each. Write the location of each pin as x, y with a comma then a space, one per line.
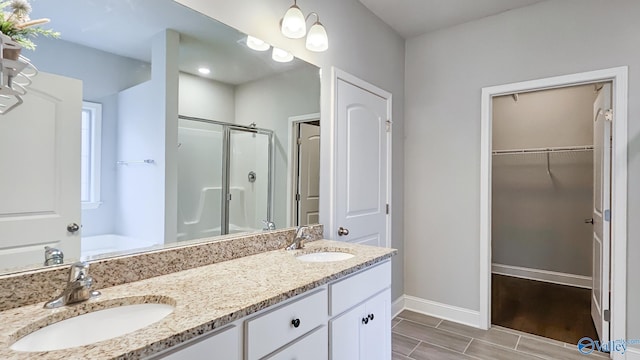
280, 55
204, 70
257, 44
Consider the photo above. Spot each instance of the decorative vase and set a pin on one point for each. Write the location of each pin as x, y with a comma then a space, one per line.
11, 53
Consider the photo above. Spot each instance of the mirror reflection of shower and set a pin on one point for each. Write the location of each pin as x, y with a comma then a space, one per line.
224, 178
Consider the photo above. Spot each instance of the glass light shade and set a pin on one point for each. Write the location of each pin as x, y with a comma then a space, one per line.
317, 39
294, 26
257, 44
280, 55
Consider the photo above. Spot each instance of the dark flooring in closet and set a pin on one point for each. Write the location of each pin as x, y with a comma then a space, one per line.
555, 311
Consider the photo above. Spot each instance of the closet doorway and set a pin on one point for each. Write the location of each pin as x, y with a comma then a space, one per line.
543, 193
560, 173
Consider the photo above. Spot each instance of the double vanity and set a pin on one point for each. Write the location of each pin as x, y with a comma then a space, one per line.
328, 300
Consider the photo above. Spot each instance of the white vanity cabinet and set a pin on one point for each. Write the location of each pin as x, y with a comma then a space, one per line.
348, 319
361, 306
221, 345
273, 329
310, 347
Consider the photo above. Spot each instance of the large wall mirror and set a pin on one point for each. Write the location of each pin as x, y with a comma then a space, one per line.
242, 152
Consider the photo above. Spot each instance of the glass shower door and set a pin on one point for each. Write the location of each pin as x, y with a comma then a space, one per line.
249, 179
200, 188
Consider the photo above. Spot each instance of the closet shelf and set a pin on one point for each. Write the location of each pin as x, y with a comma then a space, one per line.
544, 150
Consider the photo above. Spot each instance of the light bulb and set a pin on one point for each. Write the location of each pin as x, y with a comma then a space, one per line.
317, 39
280, 55
294, 25
257, 44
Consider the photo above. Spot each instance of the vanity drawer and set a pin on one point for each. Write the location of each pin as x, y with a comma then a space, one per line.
221, 345
353, 290
314, 346
272, 330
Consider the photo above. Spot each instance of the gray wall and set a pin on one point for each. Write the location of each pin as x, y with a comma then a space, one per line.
445, 72
269, 102
537, 218
88, 64
205, 98
359, 43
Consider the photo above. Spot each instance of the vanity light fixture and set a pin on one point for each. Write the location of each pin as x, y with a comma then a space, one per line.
280, 55
204, 70
257, 44
294, 26
317, 39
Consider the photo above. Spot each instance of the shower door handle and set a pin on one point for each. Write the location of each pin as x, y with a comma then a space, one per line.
588, 221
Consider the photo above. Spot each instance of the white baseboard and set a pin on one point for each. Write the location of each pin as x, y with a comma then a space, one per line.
543, 275
443, 311
397, 306
633, 354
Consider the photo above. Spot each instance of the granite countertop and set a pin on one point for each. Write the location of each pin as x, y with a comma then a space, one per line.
205, 298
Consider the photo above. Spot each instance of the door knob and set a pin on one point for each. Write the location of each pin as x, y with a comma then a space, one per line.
588, 221
73, 227
342, 231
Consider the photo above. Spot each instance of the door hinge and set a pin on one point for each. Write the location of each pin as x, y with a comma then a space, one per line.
228, 197
387, 209
299, 141
607, 215
388, 122
606, 315
608, 115
298, 197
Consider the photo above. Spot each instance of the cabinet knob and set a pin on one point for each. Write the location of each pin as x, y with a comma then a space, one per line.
295, 323
343, 232
371, 317
365, 320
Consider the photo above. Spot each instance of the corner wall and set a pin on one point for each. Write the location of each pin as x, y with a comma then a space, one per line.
445, 72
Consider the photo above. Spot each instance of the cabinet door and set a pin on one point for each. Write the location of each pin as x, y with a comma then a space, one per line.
311, 347
376, 335
345, 334
223, 345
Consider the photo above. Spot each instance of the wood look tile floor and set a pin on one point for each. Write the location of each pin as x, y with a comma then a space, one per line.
421, 337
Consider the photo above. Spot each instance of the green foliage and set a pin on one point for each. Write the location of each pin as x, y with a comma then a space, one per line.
17, 25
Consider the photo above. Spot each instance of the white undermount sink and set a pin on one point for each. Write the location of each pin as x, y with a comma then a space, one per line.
325, 256
92, 327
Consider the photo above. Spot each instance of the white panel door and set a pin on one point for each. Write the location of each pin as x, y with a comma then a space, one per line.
601, 211
309, 177
40, 167
361, 165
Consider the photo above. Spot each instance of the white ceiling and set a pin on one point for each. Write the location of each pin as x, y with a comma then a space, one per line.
126, 27
416, 17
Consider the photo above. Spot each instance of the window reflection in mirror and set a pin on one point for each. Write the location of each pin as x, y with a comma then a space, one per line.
247, 132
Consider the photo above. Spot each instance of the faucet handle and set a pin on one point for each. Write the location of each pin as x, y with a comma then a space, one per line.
78, 271
268, 225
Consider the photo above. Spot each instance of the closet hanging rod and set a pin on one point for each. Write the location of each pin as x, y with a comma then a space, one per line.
544, 150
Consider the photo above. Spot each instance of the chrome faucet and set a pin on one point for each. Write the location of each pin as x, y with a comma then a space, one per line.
298, 240
53, 256
78, 287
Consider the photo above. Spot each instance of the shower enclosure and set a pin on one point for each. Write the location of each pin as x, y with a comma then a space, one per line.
225, 178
